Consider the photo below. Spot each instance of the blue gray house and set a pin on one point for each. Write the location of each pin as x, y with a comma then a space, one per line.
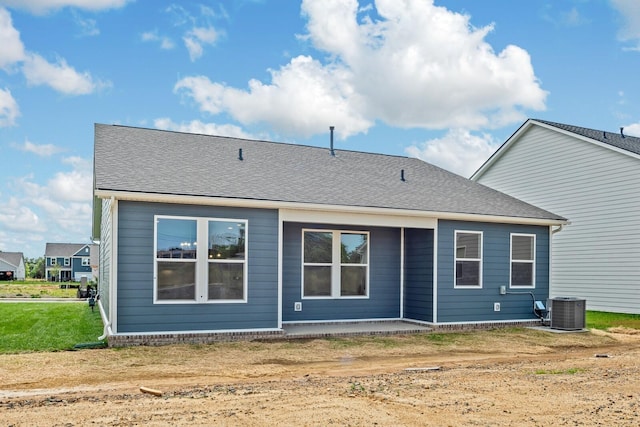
66, 262
207, 237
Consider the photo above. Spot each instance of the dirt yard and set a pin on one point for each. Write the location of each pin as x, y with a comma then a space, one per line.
487, 378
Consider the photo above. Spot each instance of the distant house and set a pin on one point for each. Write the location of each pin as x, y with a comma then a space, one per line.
205, 235
593, 178
12, 266
65, 262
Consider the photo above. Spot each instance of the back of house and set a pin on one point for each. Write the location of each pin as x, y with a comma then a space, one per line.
206, 237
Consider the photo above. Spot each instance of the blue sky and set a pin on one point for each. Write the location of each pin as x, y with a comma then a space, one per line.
447, 81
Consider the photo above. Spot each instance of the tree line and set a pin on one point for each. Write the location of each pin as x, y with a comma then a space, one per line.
34, 268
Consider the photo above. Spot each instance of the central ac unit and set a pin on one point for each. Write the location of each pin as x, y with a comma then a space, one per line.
568, 313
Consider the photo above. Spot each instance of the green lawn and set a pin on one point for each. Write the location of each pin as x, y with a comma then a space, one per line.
604, 320
40, 326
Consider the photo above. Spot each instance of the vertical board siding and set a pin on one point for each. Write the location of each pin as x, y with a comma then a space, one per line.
418, 276
598, 190
384, 278
104, 264
136, 311
476, 305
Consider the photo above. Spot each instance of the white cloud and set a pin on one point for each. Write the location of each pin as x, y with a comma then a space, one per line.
196, 37
59, 76
632, 129
304, 98
419, 66
73, 186
630, 12
196, 126
12, 50
42, 150
459, 151
9, 110
152, 36
59, 211
15, 216
44, 6
88, 26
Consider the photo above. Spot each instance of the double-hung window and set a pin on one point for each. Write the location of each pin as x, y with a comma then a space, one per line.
200, 260
67, 262
523, 260
53, 261
468, 259
335, 264
85, 262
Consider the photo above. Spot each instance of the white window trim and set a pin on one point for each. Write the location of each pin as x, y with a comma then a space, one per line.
67, 262
86, 262
456, 259
511, 260
53, 261
336, 264
201, 261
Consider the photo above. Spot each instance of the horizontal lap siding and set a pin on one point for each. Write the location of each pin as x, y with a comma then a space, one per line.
598, 190
476, 305
104, 265
384, 276
136, 311
418, 295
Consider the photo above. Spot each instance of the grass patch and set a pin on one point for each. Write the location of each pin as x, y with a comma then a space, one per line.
36, 289
604, 320
47, 326
570, 371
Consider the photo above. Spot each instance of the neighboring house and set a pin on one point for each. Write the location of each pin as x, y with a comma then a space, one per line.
591, 177
65, 262
205, 235
12, 266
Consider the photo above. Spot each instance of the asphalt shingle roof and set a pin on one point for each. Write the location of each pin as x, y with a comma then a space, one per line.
152, 161
615, 139
12, 258
62, 249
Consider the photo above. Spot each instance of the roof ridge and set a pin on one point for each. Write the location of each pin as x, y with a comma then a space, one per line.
291, 144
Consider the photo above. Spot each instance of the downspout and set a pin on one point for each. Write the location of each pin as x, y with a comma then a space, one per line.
553, 232
107, 322
402, 268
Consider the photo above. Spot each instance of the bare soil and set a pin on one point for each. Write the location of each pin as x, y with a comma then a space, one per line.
516, 377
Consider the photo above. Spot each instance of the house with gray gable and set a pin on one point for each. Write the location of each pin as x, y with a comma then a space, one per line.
207, 237
70, 262
12, 266
593, 178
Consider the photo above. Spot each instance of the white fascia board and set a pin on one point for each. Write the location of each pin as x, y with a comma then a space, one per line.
360, 214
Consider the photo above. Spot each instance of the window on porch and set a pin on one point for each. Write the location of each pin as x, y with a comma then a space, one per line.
335, 264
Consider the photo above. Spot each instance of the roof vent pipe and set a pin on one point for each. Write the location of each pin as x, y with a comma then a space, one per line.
331, 128
402, 175
604, 134
240, 154
622, 131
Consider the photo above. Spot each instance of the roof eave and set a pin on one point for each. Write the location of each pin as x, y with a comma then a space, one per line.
276, 204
